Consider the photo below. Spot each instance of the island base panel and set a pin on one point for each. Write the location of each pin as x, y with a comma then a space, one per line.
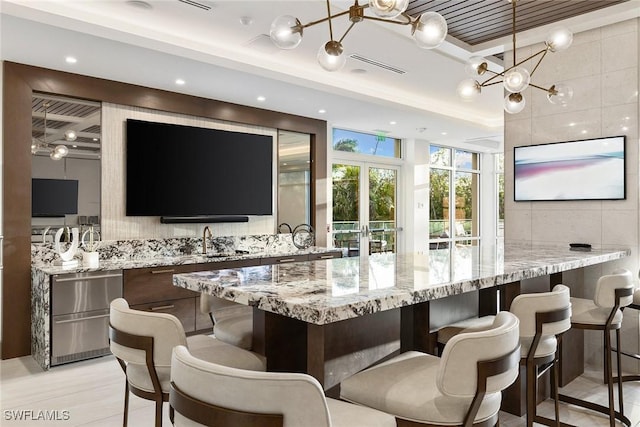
330, 352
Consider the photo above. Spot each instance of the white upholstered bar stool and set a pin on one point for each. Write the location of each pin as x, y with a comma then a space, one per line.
463, 388
208, 394
544, 317
143, 341
604, 313
232, 322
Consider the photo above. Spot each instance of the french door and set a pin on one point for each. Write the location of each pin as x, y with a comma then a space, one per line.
365, 207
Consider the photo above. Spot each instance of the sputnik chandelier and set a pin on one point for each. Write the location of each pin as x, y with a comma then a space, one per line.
428, 31
517, 78
56, 152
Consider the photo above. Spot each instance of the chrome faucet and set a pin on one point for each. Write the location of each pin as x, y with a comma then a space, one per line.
204, 239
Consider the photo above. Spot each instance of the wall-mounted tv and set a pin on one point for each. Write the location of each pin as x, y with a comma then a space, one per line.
54, 197
590, 169
184, 171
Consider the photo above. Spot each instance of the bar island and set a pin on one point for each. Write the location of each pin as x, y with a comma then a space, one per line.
333, 318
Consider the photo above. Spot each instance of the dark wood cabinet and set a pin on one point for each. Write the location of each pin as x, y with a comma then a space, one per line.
326, 255
283, 259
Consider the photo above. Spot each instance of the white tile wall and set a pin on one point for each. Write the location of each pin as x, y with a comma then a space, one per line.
602, 66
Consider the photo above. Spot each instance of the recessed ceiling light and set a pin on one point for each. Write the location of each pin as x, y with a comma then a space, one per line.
443, 133
74, 146
180, 82
583, 131
70, 60
261, 98
95, 139
572, 124
624, 128
392, 122
322, 111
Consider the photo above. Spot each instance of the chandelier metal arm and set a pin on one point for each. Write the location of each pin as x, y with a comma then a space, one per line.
330, 23
347, 32
328, 18
408, 21
541, 88
539, 60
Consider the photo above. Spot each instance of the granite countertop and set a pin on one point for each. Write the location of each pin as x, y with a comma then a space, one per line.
322, 292
160, 261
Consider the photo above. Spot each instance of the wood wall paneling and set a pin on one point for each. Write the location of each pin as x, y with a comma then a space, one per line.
19, 83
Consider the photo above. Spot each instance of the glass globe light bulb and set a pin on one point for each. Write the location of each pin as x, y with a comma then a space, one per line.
430, 30
514, 103
61, 150
286, 32
475, 66
516, 80
55, 156
388, 8
34, 146
559, 39
468, 89
330, 56
70, 135
560, 94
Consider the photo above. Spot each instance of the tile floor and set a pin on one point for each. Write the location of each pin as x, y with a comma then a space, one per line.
90, 393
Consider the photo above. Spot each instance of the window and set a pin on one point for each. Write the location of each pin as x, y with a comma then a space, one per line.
454, 197
364, 143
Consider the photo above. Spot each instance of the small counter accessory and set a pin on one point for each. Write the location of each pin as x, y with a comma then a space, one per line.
90, 257
303, 236
66, 256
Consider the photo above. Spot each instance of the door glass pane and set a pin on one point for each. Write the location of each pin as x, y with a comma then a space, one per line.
382, 210
466, 186
346, 208
439, 206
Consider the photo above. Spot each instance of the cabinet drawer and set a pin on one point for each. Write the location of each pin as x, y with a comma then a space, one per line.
327, 255
284, 259
145, 285
184, 309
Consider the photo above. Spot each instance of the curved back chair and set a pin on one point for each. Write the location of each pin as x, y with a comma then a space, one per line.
463, 388
635, 304
234, 327
544, 317
207, 394
604, 313
143, 341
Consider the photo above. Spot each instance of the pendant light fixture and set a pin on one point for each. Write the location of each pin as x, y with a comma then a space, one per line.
428, 31
56, 152
517, 78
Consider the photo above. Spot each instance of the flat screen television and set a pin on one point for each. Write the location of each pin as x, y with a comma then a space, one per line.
590, 169
54, 197
184, 171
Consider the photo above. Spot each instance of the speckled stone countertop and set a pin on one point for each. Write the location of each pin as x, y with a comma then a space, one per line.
141, 253
328, 291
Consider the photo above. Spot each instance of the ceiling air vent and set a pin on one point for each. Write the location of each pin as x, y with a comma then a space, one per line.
196, 4
377, 63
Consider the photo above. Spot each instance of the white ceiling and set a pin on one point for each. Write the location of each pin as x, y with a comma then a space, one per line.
221, 58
